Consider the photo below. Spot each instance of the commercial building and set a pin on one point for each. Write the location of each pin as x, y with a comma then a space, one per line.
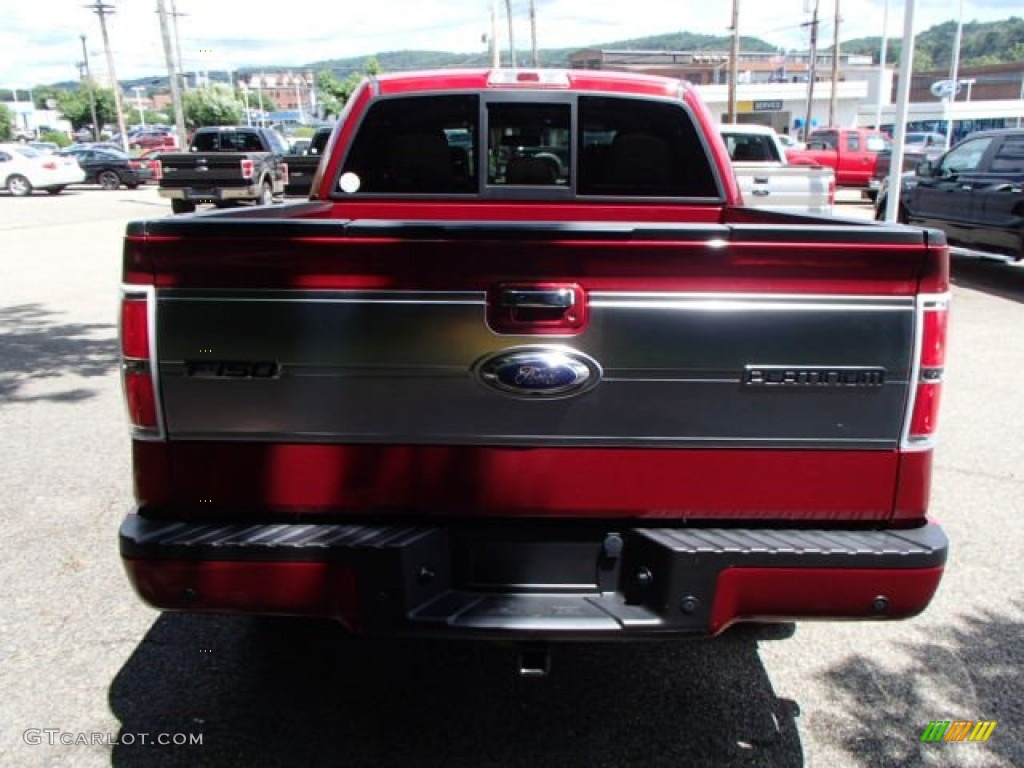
772, 88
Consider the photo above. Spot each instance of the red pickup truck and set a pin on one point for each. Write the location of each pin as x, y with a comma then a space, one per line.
850, 152
463, 391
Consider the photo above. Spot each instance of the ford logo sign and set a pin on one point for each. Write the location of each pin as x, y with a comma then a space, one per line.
539, 372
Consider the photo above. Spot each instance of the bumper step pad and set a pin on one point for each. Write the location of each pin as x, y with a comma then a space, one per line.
553, 579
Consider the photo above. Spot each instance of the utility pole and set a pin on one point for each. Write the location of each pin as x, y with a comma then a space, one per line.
92, 96
811, 63
834, 99
177, 40
511, 34
533, 32
734, 60
103, 10
179, 112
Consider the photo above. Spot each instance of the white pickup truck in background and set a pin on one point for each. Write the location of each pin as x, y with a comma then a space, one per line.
766, 178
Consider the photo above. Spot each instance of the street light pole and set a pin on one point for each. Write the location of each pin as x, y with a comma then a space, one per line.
533, 33
511, 34
495, 54
883, 54
834, 95
138, 103
902, 108
954, 73
734, 60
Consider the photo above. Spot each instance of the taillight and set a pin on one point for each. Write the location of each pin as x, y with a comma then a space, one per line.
248, 169
50, 165
135, 164
832, 189
138, 376
157, 168
284, 173
929, 368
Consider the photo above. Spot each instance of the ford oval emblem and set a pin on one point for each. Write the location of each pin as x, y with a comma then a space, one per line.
539, 372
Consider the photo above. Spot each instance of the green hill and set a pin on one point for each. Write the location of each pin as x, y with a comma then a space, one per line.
981, 43
396, 61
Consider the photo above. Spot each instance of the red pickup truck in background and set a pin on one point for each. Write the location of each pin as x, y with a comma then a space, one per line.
462, 391
851, 152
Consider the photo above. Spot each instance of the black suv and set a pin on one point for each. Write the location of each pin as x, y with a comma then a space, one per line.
974, 193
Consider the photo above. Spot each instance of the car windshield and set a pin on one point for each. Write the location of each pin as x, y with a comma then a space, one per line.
112, 153
28, 152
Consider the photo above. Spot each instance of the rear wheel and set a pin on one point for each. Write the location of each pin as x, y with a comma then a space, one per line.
109, 180
266, 196
182, 206
19, 186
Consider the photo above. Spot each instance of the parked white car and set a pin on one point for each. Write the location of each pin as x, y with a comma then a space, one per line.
24, 169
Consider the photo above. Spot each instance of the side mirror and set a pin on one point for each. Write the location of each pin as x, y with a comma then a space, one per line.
925, 169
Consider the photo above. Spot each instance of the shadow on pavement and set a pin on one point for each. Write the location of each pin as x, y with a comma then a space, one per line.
276, 692
977, 663
34, 346
989, 275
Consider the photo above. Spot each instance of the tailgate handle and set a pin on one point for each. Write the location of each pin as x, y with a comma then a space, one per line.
529, 298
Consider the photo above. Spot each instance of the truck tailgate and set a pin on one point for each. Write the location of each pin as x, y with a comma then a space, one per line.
370, 365
203, 169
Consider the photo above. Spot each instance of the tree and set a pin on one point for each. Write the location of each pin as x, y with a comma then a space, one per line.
74, 105
328, 90
216, 105
333, 93
41, 94
6, 123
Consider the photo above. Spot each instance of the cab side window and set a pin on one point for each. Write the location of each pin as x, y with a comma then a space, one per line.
965, 158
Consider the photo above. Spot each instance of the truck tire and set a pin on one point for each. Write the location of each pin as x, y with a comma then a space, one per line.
109, 180
19, 186
266, 195
182, 206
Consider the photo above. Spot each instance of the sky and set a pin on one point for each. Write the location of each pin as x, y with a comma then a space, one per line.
40, 41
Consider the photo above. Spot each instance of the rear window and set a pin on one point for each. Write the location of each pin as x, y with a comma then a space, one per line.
403, 147
750, 148
1009, 158
509, 145
227, 141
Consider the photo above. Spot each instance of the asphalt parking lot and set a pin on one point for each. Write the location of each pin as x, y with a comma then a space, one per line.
81, 655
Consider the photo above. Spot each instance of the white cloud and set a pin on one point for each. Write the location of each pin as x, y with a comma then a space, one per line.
41, 41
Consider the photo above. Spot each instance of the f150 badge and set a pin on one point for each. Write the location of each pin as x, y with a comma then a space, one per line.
540, 372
